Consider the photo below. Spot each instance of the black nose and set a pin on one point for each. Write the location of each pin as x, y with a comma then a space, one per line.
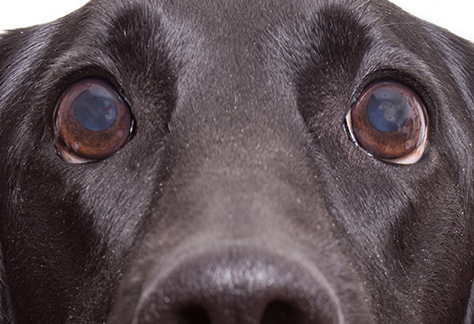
240, 288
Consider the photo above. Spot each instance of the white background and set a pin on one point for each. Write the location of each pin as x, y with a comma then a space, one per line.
455, 15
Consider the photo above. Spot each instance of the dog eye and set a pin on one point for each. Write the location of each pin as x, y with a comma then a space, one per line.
389, 121
92, 121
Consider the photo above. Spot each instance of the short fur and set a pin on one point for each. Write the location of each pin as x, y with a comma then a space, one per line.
239, 167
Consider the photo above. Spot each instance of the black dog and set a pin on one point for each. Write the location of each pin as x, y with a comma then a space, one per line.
205, 161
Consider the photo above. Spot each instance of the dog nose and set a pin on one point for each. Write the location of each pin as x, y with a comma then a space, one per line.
240, 288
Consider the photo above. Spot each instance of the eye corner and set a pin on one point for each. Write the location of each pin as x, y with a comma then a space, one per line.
92, 121
67, 154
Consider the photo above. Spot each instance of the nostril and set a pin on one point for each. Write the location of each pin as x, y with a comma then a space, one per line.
193, 315
279, 312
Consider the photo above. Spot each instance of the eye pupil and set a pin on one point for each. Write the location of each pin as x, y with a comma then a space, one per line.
95, 109
387, 111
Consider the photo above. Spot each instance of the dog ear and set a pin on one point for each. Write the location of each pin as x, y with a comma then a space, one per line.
458, 56
15, 63
462, 65
460, 60
5, 313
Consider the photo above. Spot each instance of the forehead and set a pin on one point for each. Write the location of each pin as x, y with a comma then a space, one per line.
234, 24
263, 11
235, 16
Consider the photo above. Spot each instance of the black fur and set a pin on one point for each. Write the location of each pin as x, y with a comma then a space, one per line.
239, 167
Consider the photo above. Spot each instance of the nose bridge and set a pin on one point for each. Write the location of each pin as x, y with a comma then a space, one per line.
231, 109
239, 166
227, 87
244, 203
240, 162
239, 144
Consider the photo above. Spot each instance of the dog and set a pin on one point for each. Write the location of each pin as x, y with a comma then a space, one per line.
233, 161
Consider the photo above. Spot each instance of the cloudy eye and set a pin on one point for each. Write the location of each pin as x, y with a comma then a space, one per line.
92, 121
389, 121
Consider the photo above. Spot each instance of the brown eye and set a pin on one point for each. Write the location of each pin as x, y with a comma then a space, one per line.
92, 121
389, 121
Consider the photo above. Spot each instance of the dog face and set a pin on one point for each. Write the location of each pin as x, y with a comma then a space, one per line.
236, 162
